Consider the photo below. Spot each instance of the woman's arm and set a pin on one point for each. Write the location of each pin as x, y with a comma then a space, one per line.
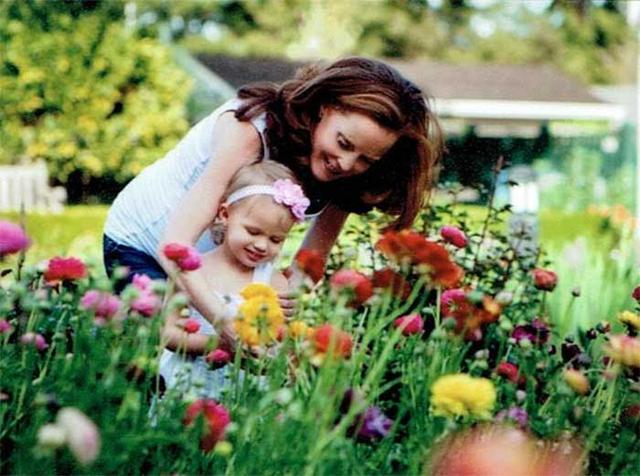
236, 144
320, 237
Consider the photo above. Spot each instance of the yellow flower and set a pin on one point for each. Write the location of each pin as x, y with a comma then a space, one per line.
577, 381
258, 289
624, 350
462, 395
630, 318
299, 329
260, 317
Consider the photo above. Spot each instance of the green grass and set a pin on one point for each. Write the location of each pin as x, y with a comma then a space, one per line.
77, 231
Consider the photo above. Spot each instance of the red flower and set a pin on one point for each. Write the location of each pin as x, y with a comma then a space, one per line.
216, 418
544, 279
327, 338
407, 246
388, 279
636, 293
358, 282
186, 257
410, 324
469, 316
453, 235
12, 239
218, 358
191, 326
175, 251
311, 263
509, 371
64, 269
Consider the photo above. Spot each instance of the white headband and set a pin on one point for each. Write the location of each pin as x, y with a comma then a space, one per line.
283, 191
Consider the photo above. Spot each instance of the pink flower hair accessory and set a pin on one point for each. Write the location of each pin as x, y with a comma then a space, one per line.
283, 191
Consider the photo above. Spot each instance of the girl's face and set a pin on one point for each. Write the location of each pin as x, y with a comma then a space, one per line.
347, 143
256, 228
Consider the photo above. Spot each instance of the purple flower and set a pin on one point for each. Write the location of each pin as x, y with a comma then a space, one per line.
516, 414
373, 425
537, 332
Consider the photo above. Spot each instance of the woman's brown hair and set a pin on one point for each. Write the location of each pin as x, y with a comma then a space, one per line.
397, 184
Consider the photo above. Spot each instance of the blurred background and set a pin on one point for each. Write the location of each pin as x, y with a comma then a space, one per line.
95, 90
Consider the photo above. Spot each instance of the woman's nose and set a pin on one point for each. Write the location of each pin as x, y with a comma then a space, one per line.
347, 161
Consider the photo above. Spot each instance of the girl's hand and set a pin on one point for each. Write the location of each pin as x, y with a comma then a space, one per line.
288, 302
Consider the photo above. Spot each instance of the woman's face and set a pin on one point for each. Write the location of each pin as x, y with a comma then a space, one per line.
347, 143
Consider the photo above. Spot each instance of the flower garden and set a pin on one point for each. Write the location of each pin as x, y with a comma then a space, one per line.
426, 351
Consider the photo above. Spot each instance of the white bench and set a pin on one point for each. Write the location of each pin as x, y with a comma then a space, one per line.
28, 186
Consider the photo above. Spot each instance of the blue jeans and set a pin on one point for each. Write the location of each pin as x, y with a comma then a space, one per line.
138, 262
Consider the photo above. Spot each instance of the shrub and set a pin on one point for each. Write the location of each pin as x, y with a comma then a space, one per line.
84, 93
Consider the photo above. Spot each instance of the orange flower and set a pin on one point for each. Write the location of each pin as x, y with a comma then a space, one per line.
311, 263
328, 339
408, 246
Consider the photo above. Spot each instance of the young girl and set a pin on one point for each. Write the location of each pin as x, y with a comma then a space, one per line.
355, 132
258, 209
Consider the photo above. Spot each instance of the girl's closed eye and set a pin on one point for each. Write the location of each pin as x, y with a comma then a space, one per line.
253, 231
276, 240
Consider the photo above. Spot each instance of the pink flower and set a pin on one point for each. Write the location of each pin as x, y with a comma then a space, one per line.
358, 282
64, 269
147, 303
36, 340
450, 297
453, 235
544, 279
191, 326
103, 304
12, 239
185, 257
191, 262
5, 327
216, 418
83, 437
410, 324
291, 195
141, 281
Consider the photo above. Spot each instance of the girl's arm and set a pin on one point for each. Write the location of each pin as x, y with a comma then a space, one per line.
321, 236
236, 144
177, 340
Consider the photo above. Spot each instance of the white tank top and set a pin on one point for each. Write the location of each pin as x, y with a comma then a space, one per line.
139, 214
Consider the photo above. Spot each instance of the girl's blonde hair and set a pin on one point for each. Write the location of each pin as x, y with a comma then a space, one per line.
265, 172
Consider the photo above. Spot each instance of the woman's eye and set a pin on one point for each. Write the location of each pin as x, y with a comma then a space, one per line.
344, 144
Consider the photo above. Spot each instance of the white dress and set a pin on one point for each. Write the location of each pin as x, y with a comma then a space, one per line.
191, 375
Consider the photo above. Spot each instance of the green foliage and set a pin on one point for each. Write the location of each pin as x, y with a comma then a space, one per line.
84, 93
593, 43
298, 409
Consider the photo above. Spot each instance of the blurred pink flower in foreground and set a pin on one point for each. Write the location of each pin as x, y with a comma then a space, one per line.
147, 303
82, 435
36, 340
103, 304
12, 239
496, 449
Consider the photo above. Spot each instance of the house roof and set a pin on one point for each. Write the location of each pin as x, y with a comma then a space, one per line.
440, 80
475, 92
